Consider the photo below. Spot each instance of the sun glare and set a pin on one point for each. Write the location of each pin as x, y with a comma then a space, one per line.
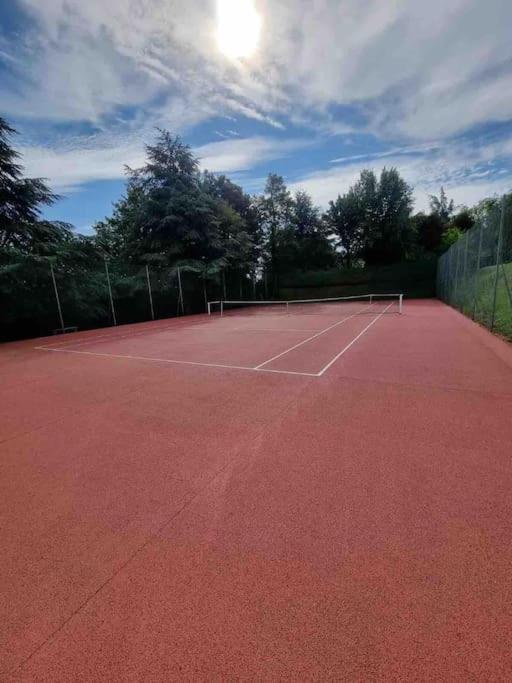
238, 27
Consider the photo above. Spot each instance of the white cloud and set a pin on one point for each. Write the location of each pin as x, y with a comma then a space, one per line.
403, 70
68, 168
245, 153
416, 69
461, 169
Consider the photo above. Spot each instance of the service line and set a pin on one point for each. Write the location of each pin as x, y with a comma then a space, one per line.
338, 355
177, 362
305, 341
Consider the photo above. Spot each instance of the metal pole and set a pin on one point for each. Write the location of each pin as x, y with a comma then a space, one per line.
456, 290
150, 294
452, 253
464, 274
477, 274
505, 279
498, 255
57, 298
180, 295
110, 294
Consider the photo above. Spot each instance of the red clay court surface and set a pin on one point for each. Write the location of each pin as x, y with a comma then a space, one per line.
171, 512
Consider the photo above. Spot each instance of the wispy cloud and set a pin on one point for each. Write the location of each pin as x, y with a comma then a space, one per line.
468, 173
243, 154
410, 78
70, 167
416, 69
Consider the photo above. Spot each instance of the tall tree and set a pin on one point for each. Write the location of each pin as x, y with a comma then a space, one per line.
387, 205
117, 234
345, 219
274, 209
166, 213
442, 206
429, 230
245, 225
21, 200
305, 243
463, 219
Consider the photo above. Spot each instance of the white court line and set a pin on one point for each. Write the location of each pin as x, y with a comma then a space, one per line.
178, 362
114, 337
287, 372
233, 367
352, 342
269, 329
305, 341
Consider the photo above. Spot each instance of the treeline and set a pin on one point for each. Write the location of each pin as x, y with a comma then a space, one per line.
172, 214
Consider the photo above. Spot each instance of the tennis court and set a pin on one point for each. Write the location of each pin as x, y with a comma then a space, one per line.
275, 491
292, 337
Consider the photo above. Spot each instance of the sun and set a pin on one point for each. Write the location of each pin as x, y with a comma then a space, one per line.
238, 27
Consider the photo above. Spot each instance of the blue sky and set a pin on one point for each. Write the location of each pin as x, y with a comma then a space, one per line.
328, 87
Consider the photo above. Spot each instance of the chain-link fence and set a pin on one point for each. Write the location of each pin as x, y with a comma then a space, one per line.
475, 274
41, 296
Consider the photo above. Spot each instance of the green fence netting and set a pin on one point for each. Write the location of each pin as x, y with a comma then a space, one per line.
475, 274
44, 295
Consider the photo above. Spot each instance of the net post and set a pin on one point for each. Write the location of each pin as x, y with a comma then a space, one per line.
221, 308
150, 294
110, 294
209, 309
287, 307
400, 303
57, 298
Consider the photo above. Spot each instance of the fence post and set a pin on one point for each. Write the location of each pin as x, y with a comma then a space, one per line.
453, 283
110, 294
464, 275
456, 290
498, 256
57, 298
180, 294
477, 274
150, 293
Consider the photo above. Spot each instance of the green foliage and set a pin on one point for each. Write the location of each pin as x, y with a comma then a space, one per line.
429, 230
475, 273
413, 278
307, 240
274, 214
464, 219
21, 199
345, 219
449, 237
223, 240
442, 206
374, 218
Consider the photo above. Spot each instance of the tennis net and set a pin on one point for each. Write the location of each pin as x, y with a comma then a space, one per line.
370, 304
